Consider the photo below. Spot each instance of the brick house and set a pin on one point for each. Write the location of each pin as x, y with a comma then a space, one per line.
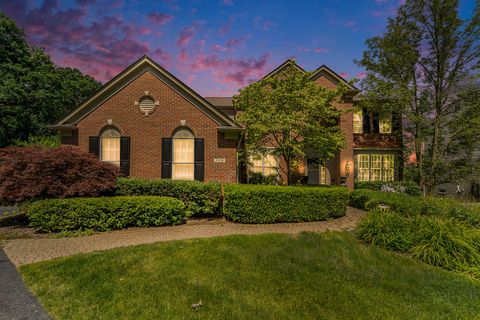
152, 125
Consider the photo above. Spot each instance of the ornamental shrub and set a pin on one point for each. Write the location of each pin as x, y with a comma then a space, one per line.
201, 199
446, 243
104, 213
33, 173
408, 187
386, 229
269, 204
411, 206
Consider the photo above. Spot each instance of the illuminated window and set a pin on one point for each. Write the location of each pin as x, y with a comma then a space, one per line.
183, 155
388, 168
358, 121
324, 175
385, 124
110, 146
375, 167
264, 164
363, 167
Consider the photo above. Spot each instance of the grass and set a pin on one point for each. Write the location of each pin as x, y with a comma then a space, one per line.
310, 276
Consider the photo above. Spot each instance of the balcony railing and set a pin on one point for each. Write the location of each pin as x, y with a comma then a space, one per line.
376, 140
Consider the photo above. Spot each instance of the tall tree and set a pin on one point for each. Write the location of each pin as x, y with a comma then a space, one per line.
33, 91
417, 69
292, 114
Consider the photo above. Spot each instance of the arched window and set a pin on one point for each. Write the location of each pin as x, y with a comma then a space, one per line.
183, 155
110, 146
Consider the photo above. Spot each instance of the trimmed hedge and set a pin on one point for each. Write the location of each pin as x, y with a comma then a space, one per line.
408, 187
201, 199
269, 204
106, 213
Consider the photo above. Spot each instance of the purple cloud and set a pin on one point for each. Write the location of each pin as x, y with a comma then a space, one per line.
159, 18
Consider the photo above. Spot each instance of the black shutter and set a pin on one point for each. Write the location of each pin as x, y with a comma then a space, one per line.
93, 146
125, 155
376, 123
396, 119
199, 171
166, 158
366, 121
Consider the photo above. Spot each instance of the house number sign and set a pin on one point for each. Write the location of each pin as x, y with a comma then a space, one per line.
219, 160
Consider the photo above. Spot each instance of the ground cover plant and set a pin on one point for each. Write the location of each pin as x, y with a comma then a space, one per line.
105, 213
309, 276
441, 232
269, 204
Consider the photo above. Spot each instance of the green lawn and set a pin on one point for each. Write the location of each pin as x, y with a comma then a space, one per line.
311, 276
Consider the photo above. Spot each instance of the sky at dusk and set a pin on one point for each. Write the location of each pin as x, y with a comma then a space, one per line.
214, 46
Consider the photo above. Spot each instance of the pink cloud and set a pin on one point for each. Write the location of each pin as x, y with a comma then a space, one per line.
321, 50
172, 4
344, 74
361, 75
159, 18
350, 24
226, 70
303, 49
187, 34
99, 46
227, 2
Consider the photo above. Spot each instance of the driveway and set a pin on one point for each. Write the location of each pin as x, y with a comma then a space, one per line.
16, 302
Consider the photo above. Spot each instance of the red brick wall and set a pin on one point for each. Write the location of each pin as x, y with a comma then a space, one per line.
346, 125
146, 133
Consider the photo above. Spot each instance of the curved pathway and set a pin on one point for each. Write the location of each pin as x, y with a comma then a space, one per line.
25, 251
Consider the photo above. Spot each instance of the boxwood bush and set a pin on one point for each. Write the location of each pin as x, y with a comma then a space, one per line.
268, 204
201, 199
106, 213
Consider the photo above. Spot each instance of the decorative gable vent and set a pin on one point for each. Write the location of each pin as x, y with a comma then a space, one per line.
147, 104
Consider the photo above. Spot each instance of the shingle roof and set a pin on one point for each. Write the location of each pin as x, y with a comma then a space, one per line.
220, 101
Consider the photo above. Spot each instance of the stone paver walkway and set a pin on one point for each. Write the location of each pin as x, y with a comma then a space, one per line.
25, 251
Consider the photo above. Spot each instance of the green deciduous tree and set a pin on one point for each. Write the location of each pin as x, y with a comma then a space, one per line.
292, 114
33, 91
417, 69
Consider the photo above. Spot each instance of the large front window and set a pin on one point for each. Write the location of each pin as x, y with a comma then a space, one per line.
375, 167
183, 155
263, 164
110, 146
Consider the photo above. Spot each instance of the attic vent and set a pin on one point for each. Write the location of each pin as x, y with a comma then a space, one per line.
147, 104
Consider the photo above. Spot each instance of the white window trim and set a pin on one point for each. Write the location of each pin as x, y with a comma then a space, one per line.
185, 163
382, 168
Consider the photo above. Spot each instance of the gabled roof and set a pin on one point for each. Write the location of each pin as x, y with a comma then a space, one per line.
328, 73
285, 64
144, 64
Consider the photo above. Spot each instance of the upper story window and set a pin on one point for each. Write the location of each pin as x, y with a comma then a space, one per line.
385, 124
264, 164
358, 121
183, 155
110, 146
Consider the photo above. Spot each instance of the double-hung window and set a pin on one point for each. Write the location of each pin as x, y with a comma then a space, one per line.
264, 164
358, 121
110, 146
183, 144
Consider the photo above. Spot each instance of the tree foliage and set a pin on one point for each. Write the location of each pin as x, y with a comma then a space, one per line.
418, 68
32, 173
292, 114
33, 91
